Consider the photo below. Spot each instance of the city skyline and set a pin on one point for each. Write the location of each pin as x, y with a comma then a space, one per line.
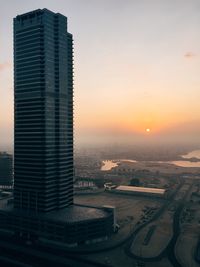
138, 69
128, 192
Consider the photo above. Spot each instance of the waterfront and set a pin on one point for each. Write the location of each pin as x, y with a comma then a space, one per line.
187, 163
109, 164
193, 154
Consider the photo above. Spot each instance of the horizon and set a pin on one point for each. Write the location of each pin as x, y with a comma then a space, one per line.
124, 190
133, 72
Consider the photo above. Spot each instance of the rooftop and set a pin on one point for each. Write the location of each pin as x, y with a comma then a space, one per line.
140, 189
71, 214
77, 213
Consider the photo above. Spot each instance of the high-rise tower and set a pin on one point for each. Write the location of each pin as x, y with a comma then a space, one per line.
43, 160
43, 84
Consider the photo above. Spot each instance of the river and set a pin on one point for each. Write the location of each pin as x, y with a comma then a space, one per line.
109, 164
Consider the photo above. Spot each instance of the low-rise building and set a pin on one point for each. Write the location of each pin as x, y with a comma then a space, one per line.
146, 191
6, 169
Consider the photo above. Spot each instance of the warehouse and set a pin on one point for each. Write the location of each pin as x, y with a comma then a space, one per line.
144, 191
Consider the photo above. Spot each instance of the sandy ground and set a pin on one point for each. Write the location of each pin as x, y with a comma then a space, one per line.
128, 208
187, 241
159, 239
185, 248
157, 167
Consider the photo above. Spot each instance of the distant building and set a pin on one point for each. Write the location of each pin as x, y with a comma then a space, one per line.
6, 169
144, 191
43, 153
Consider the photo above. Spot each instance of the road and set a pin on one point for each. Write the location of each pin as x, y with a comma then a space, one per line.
41, 255
169, 251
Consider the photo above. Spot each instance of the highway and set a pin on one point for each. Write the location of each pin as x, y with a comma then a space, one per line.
169, 251
15, 254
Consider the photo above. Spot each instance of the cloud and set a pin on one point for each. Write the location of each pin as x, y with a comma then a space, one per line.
4, 66
189, 55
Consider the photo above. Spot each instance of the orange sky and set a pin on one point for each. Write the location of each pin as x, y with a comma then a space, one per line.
136, 67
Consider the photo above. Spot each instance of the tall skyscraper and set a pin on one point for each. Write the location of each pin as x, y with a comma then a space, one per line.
43, 163
43, 84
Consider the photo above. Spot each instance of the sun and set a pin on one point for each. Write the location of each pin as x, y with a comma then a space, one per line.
148, 130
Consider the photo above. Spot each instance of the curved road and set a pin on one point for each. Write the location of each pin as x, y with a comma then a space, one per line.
169, 250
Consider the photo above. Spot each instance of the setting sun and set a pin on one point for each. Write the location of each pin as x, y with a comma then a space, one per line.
148, 130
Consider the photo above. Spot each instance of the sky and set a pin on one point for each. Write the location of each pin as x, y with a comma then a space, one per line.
136, 67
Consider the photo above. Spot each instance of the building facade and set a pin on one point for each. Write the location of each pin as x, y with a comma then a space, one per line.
6, 169
43, 205
43, 85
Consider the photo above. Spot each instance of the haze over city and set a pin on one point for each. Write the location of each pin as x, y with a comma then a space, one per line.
122, 77
137, 68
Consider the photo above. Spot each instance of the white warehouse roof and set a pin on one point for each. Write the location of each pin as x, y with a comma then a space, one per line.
140, 189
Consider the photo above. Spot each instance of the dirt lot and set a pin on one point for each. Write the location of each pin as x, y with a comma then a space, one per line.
128, 208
